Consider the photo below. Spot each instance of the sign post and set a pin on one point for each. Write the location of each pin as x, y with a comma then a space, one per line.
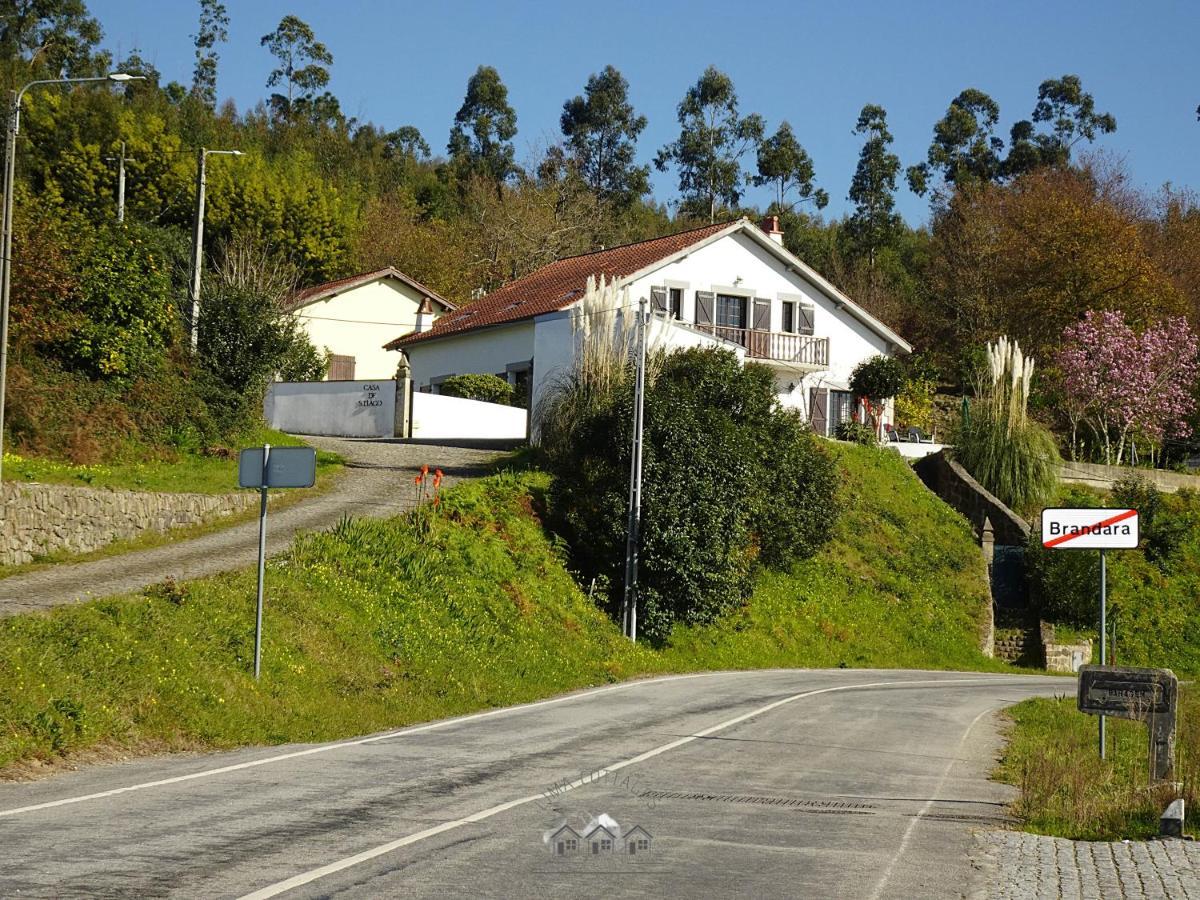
264, 468
1144, 695
1093, 529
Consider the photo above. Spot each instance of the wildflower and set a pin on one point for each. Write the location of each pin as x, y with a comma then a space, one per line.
424, 471
437, 477
418, 479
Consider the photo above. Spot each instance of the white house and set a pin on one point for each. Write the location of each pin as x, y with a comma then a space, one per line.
347, 318
731, 284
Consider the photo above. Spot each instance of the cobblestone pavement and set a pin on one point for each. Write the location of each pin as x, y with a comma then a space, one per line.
377, 481
1019, 866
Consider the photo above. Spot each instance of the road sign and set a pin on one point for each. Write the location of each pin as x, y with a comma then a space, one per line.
272, 467
1090, 529
1144, 695
287, 467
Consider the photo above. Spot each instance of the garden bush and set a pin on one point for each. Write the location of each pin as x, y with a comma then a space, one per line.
856, 432
731, 482
488, 388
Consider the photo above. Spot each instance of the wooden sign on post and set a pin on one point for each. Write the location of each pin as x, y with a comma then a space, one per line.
1144, 695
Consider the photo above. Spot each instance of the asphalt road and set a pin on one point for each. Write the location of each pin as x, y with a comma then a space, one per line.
377, 481
787, 783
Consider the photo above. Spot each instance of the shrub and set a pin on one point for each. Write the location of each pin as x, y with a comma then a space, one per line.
876, 379
730, 482
856, 432
1007, 452
488, 388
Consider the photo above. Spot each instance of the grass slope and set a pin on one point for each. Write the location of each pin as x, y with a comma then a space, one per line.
1068, 791
186, 472
901, 584
380, 623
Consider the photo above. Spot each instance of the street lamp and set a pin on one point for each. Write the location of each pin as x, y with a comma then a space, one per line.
6, 223
198, 237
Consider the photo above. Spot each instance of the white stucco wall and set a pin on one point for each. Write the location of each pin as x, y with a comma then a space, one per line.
359, 321
738, 265
339, 408
488, 351
435, 417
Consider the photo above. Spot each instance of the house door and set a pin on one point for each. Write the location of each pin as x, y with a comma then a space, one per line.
817, 418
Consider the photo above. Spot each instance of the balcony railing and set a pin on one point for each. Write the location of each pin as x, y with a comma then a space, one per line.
778, 346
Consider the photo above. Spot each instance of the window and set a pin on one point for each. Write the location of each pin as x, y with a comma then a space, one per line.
841, 407
731, 311
675, 302
341, 368
789, 317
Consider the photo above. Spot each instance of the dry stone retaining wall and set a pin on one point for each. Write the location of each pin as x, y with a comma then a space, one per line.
38, 519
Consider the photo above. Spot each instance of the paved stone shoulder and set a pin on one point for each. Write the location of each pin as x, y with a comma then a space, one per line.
1019, 866
378, 481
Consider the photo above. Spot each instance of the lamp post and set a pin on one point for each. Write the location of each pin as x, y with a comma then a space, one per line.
198, 237
6, 223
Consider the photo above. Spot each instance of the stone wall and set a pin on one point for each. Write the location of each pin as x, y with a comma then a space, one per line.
38, 519
1103, 477
955, 486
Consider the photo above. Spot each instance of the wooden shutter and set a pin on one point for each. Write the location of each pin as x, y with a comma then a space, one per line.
658, 300
341, 368
762, 315
705, 301
806, 313
817, 417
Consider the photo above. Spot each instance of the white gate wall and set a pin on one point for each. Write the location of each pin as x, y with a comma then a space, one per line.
336, 408
435, 417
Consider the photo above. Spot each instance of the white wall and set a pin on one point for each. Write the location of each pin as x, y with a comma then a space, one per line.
737, 264
339, 408
488, 351
359, 321
435, 417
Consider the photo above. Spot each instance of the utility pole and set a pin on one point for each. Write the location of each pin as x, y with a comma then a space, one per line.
198, 238
632, 539
120, 161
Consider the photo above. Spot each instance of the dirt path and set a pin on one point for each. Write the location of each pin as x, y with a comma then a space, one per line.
378, 481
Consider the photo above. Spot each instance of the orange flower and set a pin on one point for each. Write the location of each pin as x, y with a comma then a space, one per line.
424, 471
437, 477
418, 479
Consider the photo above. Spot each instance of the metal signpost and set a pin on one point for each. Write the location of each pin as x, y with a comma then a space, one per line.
629, 603
264, 468
1093, 529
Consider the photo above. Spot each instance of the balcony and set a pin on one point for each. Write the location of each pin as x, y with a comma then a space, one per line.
798, 351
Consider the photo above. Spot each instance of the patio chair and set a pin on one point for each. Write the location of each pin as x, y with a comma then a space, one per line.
917, 436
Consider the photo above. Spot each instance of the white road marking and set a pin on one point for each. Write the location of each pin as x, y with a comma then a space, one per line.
340, 865
912, 826
325, 748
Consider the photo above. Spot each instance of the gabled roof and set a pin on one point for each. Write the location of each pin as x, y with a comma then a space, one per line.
559, 284
333, 288
563, 828
599, 828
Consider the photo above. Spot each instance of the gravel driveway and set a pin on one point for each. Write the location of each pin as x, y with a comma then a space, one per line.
377, 481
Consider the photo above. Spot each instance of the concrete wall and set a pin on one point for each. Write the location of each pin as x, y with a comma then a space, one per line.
339, 408
435, 417
359, 321
46, 518
489, 351
955, 486
1103, 477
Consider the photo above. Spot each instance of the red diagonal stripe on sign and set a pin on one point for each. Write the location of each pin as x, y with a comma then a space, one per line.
1119, 517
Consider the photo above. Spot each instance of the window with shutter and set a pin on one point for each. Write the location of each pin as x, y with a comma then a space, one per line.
676, 302
341, 368
788, 320
807, 318
705, 301
658, 300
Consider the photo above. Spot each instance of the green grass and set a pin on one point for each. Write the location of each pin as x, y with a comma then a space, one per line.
901, 584
188, 472
378, 623
1067, 791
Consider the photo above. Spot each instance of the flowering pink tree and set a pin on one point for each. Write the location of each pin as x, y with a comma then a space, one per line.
1123, 385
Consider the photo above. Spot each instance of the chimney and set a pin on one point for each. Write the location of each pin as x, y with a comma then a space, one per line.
771, 226
424, 316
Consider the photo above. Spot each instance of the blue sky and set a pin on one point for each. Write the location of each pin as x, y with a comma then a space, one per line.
812, 64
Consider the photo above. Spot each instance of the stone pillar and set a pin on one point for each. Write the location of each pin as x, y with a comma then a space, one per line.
403, 412
987, 541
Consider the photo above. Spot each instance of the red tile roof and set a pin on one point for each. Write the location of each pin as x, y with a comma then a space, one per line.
332, 288
557, 285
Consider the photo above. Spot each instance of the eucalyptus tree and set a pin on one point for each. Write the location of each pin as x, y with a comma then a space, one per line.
713, 137
302, 67
965, 147
874, 221
601, 130
213, 30
484, 126
786, 166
